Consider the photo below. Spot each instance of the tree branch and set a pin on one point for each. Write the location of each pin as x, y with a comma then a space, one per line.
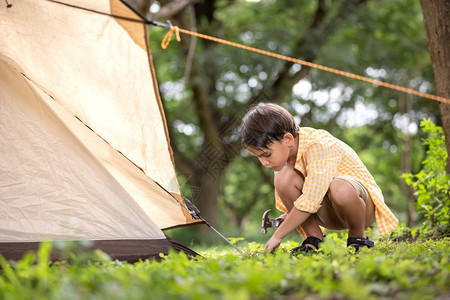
192, 45
170, 9
320, 26
280, 82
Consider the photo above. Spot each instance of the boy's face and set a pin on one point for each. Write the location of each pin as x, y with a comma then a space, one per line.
275, 156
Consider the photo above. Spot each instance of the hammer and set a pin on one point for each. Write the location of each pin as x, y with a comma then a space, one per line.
266, 222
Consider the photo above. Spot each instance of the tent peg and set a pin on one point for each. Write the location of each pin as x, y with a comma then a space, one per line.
167, 25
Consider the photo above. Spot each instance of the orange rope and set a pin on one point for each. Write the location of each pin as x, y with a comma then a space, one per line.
177, 31
168, 37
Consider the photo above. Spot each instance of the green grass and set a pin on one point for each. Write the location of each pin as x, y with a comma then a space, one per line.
391, 270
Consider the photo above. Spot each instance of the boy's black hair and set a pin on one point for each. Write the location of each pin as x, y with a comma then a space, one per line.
264, 124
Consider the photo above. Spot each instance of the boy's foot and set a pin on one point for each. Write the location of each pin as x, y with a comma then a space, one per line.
309, 244
358, 242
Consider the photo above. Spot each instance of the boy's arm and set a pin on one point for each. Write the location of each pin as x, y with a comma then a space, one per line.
294, 219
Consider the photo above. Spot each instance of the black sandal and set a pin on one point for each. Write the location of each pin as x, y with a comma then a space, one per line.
358, 242
304, 248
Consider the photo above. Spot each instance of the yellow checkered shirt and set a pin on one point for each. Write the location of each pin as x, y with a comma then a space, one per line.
320, 158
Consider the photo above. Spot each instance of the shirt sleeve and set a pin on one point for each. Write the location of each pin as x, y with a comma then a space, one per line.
322, 162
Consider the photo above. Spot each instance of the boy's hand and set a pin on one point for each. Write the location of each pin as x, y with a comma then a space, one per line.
272, 244
294, 219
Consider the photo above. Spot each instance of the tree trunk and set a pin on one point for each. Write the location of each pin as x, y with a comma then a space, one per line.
204, 181
405, 107
436, 16
206, 198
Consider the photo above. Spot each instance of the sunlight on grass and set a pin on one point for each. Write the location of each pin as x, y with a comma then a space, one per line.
391, 270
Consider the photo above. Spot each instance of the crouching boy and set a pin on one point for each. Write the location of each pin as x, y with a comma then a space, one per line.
320, 182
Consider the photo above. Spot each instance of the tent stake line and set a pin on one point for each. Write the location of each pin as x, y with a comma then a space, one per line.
231, 244
195, 213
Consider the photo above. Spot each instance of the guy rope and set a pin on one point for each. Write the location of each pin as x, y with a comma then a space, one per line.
175, 29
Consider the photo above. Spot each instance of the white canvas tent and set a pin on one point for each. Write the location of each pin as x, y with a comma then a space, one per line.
84, 148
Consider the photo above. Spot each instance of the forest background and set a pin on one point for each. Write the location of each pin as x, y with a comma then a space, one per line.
207, 87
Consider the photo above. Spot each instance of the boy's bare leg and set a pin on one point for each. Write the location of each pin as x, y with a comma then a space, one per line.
311, 228
289, 183
349, 207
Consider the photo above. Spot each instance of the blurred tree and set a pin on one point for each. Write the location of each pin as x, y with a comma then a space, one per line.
437, 24
207, 87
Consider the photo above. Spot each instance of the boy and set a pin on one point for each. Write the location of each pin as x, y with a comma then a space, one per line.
320, 182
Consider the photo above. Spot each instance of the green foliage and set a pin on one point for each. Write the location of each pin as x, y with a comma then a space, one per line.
371, 144
244, 181
382, 39
432, 183
418, 270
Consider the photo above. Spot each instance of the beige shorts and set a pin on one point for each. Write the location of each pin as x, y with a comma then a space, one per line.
326, 215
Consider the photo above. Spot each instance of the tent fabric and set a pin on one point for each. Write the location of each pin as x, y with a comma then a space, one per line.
52, 177
124, 250
129, 250
91, 65
84, 149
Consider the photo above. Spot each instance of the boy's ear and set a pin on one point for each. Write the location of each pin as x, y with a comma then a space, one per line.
288, 138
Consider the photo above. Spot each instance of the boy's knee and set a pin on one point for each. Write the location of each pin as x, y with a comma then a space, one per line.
279, 181
341, 191
288, 183
286, 178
